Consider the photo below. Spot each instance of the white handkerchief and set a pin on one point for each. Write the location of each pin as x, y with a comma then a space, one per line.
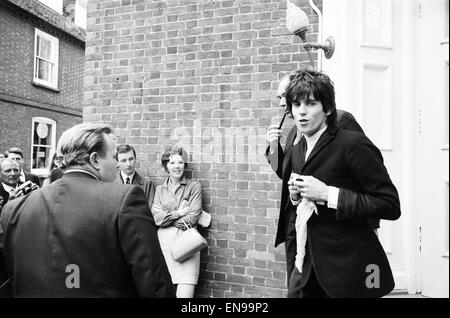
304, 211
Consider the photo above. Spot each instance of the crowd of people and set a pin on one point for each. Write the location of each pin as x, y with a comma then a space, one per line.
115, 228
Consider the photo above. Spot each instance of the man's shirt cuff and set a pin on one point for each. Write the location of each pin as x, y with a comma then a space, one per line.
333, 194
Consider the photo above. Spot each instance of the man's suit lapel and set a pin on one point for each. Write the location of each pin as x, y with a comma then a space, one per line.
138, 179
325, 139
4, 193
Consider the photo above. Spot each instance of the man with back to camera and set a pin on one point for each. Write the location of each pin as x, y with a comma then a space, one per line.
280, 161
90, 237
338, 180
126, 158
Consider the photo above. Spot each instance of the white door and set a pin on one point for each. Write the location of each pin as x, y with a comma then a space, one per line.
373, 70
433, 136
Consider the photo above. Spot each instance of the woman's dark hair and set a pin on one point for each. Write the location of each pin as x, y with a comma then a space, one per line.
173, 150
304, 83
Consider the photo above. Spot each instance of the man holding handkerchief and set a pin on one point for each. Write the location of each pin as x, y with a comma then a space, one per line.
338, 182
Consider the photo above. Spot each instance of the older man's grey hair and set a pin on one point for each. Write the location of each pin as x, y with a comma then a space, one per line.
5, 161
77, 143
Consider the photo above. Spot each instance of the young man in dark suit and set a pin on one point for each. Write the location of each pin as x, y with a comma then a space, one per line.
126, 158
281, 163
83, 235
339, 181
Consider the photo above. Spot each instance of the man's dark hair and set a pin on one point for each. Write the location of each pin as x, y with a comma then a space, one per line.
124, 149
15, 150
304, 83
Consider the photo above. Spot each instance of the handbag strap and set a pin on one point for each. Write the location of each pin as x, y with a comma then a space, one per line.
185, 224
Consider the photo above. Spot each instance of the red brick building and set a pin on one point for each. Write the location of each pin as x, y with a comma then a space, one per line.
202, 74
41, 83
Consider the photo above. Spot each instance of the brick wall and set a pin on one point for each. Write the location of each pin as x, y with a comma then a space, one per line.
202, 74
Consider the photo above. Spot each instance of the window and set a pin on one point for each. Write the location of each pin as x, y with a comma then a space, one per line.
46, 55
56, 5
43, 145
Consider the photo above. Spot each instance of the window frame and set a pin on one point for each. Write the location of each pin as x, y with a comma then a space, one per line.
53, 82
43, 172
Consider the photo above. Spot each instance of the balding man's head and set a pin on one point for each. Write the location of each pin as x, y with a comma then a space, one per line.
9, 172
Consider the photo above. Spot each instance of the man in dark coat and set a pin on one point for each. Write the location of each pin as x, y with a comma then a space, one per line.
281, 163
83, 235
339, 181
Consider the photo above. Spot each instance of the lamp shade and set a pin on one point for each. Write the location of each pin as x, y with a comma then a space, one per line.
297, 21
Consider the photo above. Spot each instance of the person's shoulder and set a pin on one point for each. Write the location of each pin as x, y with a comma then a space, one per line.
28, 173
351, 136
343, 114
13, 206
353, 140
195, 184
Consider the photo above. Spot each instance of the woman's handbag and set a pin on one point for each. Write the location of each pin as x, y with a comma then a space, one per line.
187, 244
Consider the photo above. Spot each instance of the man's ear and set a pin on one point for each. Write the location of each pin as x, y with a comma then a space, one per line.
93, 159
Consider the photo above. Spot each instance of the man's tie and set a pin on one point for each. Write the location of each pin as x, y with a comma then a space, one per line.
128, 180
303, 147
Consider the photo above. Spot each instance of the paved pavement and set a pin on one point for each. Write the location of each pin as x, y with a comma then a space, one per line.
403, 294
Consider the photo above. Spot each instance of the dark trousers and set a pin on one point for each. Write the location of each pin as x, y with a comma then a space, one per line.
291, 250
311, 289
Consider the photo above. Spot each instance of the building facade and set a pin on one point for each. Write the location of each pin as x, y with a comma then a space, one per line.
392, 74
41, 87
204, 74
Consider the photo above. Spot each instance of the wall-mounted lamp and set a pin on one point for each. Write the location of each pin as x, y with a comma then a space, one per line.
297, 22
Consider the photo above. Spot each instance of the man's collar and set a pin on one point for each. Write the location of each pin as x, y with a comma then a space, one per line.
74, 170
8, 188
125, 176
183, 181
316, 136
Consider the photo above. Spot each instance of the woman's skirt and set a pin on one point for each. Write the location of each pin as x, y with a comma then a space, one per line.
181, 273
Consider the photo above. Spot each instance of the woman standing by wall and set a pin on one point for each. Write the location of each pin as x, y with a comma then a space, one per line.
177, 203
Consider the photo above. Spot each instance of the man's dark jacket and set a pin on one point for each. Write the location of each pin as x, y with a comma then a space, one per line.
342, 249
104, 229
282, 166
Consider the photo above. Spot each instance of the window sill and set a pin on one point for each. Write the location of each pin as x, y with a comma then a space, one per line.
46, 86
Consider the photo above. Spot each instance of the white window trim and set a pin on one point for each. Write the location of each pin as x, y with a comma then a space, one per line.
53, 83
43, 172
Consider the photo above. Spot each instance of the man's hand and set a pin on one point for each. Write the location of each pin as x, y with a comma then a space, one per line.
15, 194
294, 190
1, 203
273, 136
311, 188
